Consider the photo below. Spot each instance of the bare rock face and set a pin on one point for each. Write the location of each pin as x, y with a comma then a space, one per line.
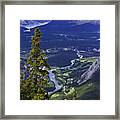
95, 67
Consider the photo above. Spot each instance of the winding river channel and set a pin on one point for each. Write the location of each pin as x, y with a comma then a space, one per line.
53, 79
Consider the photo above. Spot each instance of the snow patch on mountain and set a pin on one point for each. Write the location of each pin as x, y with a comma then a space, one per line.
80, 22
33, 23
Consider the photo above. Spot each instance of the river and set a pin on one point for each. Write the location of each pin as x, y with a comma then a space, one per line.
53, 79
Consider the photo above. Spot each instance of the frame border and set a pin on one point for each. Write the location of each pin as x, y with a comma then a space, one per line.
60, 2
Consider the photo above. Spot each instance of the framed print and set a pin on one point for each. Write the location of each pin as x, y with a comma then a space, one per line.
59, 59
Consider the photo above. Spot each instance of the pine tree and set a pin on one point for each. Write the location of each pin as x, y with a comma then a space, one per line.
37, 68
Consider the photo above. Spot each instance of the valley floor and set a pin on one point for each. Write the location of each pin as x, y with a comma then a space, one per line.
79, 81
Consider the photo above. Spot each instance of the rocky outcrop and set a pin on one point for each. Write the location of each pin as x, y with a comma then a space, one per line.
87, 75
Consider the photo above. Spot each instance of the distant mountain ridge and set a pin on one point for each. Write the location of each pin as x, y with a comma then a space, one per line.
29, 24
65, 26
